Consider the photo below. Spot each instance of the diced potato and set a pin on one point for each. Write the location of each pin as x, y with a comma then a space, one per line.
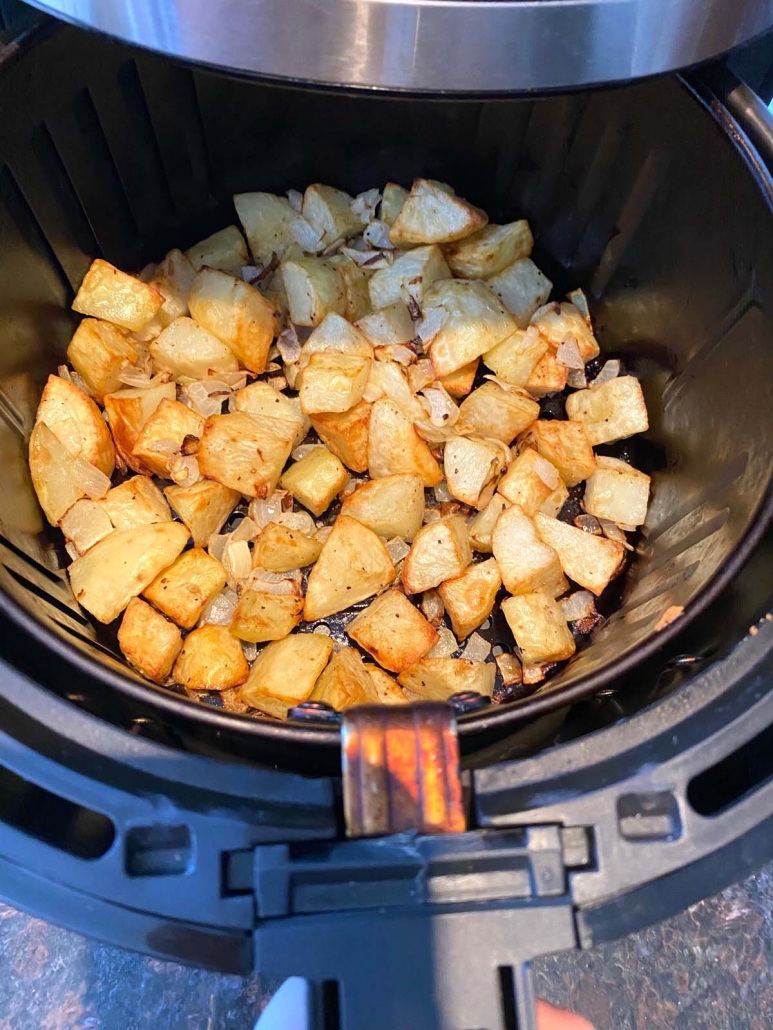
470, 465
333, 382
98, 352
266, 221
393, 631
85, 524
489, 250
440, 551
270, 689
559, 322
282, 549
224, 250
261, 616
539, 627
122, 565
173, 277
522, 288
345, 433
237, 314
493, 411
170, 424
469, 598
565, 445
388, 378
355, 280
394, 446
523, 485
353, 564
135, 503
618, 492
548, 376
592, 561
555, 501
128, 410
51, 469
148, 641
611, 411
211, 659
430, 214
315, 480
203, 507
335, 335
389, 692
245, 452
459, 383
188, 351
314, 287
390, 505
525, 562
516, 357
437, 679
345, 682
262, 399
482, 526
389, 326
73, 417
183, 591
329, 212
108, 293
392, 200
412, 272
475, 322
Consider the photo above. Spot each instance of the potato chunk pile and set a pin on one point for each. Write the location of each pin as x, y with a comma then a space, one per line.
333, 413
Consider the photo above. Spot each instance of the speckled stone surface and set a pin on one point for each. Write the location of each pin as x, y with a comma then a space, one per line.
710, 968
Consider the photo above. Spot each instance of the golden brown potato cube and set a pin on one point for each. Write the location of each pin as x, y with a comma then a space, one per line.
345, 433
565, 445
266, 221
99, 352
135, 503
412, 273
353, 564
539, 627
394, 446
345, 682
392, 200
459, 383
355, 280
107, 292
469, 598
211, 659
560, 322
148, 641
245, 452
73, 417
437, 679
389, 692
315, 480
440, 551
224, 250
528, 482
516, 357
121, 565
183, 591
203, 507
173, 277
611, 411
493, 411
489, 250
52, 472
260, 616
555, 501
314, 287
432, 214
391, 506
526, 563
128, 410
262, 399
329, 212
333, 382
189, 351
592, 561
85, 524
270, 688
617, 492
335, 335
389, 326
482, 526
170, 424
470, 465
548, 376
282, 549
475, 321
237, 314
393, 631
522, 288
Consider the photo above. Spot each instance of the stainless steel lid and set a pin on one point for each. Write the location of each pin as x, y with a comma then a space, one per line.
463, 46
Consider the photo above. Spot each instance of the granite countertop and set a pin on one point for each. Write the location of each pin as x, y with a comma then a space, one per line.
710, 968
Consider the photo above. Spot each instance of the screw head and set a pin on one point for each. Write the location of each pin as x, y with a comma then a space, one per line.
468, 701
314, 711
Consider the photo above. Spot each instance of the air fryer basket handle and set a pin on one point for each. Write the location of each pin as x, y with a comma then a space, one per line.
728, 94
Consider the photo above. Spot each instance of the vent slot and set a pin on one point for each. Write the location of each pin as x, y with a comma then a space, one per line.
735, 777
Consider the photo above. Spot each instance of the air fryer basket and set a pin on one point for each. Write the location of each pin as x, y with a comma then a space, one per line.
640, 194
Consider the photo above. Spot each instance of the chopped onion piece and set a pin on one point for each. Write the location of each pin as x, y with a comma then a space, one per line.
510, 669
443, 410
611, 370
131, 376
288, 344
247, 529
219, 612
612, 531
577, 379
477, 649
250, 650
274, 582
434, 434
349, 487
305, 235
508, 386
292, 373
71, 376
397, 549
304, 450
296, 199
184, 470
323, 533
399, 352
430, 325
264, 511
72, 550
91, 481
588, 523
364, 205
442, 493
377, 235
372, 259
432, 607
446, 646
579, 605
432, 515
547, 472
300, 520
568, 354
580, 301
251, 273
236, 560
